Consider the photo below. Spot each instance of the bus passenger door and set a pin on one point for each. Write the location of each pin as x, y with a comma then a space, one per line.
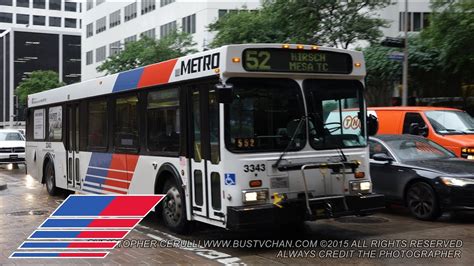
205, 174
72, 146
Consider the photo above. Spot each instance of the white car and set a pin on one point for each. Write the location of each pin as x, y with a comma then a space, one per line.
12, 146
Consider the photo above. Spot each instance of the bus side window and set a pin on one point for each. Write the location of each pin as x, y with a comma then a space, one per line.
97, 124
126, 123
163, 120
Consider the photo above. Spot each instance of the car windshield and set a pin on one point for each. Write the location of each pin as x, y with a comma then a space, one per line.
264, 115
451, 122
334, 110
418, 149
10, 136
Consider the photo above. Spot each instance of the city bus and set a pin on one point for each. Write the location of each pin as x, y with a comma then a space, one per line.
236, 137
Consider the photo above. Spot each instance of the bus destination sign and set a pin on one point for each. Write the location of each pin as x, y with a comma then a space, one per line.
296, 61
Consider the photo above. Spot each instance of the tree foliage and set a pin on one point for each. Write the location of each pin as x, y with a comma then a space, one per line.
451, 31
325, 22
37, 81
148, 51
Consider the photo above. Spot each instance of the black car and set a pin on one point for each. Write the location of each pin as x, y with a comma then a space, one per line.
421, 174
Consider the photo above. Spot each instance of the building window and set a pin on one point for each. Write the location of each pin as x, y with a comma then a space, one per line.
416, 21
23, 3
97, 123
39, 4
114, 48
55, 4
55, 21
148, 6
39, 20
6, 17
6, 3
100, 54
166, 2
163, 118
426, 20
90, 4
126, 123
89, 30
70, 6
130, 11
89, 58
70, 23
167, 29
189, 24
114, 19
100, 25
99, 2
22, 19
149, 33
132, 38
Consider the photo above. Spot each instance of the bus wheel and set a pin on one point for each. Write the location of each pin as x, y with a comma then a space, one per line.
173, 209
50, 179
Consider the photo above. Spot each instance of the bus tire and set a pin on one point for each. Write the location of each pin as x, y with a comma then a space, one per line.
50, 177
173, 208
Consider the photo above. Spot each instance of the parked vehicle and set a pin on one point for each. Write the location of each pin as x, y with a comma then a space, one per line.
451, 128
421, 174
12, 147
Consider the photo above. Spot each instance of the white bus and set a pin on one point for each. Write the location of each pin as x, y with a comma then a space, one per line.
236, 136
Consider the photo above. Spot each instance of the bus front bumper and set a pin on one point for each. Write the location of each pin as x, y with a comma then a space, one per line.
291, 211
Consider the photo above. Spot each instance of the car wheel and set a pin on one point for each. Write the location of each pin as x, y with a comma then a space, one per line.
50, 179
422, 202
173, 208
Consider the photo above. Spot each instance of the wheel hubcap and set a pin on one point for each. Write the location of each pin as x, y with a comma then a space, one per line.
420, 200
172, 206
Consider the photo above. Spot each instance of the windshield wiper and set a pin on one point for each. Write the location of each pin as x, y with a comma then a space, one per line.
277, 163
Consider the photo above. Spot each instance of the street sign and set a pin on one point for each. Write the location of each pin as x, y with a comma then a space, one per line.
395, 56
393, 42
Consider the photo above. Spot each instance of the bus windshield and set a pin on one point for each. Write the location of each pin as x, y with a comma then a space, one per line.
334, 109
265, 115
451, 122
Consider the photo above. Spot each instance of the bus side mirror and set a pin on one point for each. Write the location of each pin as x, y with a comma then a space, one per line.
372, 125
225, 93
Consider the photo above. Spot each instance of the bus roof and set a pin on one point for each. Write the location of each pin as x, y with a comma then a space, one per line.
216, 62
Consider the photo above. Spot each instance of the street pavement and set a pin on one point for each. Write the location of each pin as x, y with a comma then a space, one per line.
25, 204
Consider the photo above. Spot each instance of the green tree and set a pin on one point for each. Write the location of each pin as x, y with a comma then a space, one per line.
451, 32
324, 22
37, 81
148, 51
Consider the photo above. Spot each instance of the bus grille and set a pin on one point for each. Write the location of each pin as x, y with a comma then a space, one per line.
12, 150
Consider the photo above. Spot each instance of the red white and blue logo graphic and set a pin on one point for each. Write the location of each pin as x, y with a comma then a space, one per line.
87, 222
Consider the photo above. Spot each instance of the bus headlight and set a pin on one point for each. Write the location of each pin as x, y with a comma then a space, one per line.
254, 196
456, 181
361, 186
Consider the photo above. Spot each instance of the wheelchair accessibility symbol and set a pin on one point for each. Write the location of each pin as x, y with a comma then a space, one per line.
229, 179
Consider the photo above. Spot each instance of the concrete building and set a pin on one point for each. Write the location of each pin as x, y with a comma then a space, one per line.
108, 25
418, 16
36, 35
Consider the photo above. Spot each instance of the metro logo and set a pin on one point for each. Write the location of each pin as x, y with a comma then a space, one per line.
82, 221
201, 63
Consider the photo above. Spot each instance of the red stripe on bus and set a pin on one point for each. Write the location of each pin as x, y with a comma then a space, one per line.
157, 74
114, 190
117, 184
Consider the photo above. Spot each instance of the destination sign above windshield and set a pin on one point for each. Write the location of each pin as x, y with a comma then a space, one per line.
296, 61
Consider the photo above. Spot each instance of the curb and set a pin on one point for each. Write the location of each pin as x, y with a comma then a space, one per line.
3, 185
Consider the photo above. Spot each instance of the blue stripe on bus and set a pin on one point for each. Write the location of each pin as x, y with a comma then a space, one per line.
55, 234
128, 80
95, 179
76, 205
101, 160
92, 186
97, 172
87, 190
61, 223
45, 245
34, 254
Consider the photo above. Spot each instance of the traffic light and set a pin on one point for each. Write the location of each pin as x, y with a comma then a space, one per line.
393, 42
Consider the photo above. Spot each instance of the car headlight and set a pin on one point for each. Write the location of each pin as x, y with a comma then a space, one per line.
254, 196
456, 181
361, 186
